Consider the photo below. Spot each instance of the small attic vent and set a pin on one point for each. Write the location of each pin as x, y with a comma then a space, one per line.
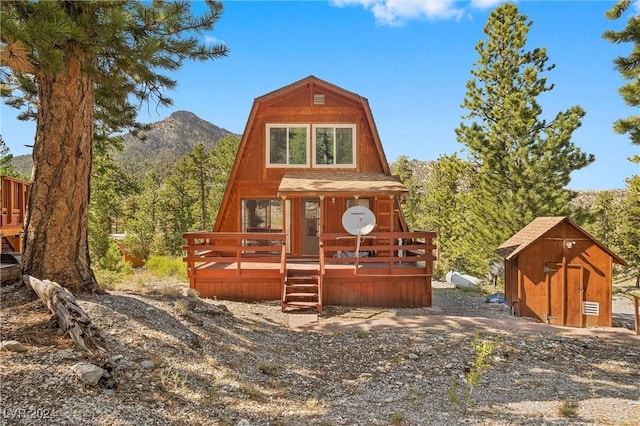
318, 99
591, 308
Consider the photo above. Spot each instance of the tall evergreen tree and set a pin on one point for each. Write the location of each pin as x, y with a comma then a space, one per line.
522, 162
223, 157
412, 208
85, 62
629, 68
445, 212
199, 161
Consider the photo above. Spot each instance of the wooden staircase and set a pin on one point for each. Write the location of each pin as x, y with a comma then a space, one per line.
302, 289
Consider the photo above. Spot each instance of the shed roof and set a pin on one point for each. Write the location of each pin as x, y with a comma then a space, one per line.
339, 183
535, 230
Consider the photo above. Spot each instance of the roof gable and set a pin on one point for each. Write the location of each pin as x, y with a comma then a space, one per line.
535, 230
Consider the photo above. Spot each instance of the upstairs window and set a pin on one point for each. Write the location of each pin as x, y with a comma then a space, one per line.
287, 145
334, 145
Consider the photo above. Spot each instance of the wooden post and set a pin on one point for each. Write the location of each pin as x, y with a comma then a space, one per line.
636, 313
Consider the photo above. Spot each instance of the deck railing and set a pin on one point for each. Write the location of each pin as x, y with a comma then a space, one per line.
390, 250
234, 247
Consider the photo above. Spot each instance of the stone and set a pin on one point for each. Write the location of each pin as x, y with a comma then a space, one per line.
12, 346
89, 373
148, 364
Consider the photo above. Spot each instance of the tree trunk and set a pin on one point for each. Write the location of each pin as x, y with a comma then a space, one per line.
56, 245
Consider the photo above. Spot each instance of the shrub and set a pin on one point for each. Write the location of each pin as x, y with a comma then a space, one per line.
164, 266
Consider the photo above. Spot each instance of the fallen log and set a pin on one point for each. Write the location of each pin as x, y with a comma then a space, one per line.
71, 318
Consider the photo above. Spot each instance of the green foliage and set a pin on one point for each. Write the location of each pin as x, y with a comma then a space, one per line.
6, 168
110, 186
629, 232
413, 207
112, 260
521, 162
461, 394
163, 266
629, 68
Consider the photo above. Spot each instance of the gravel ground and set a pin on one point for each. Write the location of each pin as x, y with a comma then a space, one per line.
181, 360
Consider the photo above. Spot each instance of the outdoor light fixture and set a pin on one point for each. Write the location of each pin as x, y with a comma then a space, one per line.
570, 244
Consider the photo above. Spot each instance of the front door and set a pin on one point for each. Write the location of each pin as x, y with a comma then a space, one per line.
310, 226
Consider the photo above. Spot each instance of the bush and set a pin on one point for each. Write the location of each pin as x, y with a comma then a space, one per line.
163, 266
112, 260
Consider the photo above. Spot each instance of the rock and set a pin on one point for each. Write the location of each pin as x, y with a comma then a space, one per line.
12, 346
413, 356
89, 373
147, 364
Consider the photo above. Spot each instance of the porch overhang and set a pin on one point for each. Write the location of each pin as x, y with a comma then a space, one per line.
340, 184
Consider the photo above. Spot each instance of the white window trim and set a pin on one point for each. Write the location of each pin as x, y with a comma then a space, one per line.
353, 147
267, 144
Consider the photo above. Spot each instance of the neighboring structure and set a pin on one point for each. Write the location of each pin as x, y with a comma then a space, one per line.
558, 273
310, 151
14, 194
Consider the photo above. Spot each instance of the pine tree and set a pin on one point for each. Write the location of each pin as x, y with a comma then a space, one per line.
522, 162
199, 160
85, 63
630, 228
629, 68
445, 212
223, 157
412, 206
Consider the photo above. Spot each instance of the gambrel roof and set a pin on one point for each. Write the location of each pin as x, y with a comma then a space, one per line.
536, 230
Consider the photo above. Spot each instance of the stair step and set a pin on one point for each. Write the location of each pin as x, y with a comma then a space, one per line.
303, 286
296, 303
302, 277
302, 294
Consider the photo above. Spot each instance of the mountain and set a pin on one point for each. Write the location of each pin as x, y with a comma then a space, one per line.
160, 147
167, 141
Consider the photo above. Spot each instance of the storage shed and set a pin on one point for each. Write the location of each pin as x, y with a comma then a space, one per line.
558, 273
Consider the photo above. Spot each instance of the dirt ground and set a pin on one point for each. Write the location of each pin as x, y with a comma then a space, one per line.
175, 359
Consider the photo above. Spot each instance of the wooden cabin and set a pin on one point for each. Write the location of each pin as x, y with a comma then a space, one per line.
309, 152
14, 194
558, 273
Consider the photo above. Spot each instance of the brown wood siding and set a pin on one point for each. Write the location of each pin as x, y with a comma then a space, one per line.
398, 292
555, 296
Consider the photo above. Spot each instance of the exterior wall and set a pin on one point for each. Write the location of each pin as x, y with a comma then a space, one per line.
580, 273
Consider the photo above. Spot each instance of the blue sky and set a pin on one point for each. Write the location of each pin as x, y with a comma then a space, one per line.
411, 59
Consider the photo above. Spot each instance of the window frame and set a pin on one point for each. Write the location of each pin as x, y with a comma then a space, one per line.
335, 126
268, 128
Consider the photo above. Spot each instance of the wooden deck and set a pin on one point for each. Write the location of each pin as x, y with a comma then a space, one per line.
250, 267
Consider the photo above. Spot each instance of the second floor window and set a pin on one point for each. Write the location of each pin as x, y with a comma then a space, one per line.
287, 145
334, 145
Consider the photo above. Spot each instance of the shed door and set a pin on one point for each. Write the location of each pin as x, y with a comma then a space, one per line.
310, 226
565, 296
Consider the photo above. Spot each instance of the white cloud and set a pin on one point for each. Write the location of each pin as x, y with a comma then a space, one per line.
211, 40
396, 12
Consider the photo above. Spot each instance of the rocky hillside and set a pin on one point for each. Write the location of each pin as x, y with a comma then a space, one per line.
167, 141
160, 147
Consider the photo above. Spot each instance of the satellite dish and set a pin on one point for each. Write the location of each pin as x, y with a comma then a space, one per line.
358, 220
